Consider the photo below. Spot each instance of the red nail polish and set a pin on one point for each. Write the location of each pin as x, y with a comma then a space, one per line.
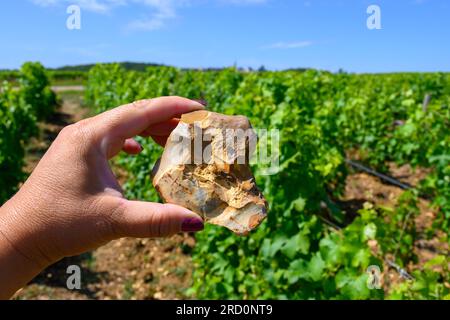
192, 225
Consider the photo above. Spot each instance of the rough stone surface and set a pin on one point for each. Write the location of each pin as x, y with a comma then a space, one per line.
220, 188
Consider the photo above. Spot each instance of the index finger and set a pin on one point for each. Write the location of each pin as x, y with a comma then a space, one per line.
134, 118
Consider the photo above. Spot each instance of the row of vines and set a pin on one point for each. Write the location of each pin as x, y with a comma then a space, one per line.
322, 117
22, 104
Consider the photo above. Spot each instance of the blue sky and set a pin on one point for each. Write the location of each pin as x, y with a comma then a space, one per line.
324, 34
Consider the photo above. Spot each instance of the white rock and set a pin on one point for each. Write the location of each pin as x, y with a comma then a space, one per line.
205, 168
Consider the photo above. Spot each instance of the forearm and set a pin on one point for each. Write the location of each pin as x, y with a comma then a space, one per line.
16, 269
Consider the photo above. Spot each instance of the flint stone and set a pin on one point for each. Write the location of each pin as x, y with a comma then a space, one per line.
205, 169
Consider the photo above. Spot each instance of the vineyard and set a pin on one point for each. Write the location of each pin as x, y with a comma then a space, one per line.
309, 247
313, 245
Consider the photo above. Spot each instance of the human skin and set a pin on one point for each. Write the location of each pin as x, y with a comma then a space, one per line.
72, 202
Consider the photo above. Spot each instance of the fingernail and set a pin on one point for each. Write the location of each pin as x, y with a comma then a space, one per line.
192, 225
201, 101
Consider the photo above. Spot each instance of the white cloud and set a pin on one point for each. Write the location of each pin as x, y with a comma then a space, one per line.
161, 11
288, 45
167, 9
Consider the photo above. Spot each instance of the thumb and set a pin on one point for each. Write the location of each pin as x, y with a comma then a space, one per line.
147, 220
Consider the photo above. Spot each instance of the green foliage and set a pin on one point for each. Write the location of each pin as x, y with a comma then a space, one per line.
321, 116
428, 284
397, 228
35, 89
19, 110
309, 262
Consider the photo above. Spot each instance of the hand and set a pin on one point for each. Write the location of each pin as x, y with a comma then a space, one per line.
72, 201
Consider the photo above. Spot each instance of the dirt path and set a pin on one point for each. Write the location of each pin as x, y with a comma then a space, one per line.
67, 88
123, 269
70, 111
